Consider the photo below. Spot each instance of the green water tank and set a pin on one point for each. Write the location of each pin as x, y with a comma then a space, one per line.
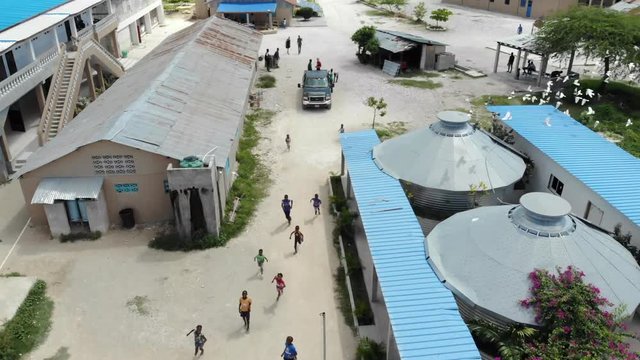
191, 162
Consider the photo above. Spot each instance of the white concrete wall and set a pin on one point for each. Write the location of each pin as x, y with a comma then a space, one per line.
98, 214
43, 42
128, 12
57, 219
575, 192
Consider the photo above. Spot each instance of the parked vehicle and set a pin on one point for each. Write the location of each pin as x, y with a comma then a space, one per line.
317, 87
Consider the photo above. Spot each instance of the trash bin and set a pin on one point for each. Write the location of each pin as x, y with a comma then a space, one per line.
128, 221
125, 53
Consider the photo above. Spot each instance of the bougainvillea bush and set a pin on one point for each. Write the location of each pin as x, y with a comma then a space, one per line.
576, 321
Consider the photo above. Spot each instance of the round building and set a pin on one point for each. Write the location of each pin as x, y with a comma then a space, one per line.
439, 165
484, 256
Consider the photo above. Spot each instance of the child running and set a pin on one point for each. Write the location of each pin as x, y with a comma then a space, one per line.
316, 204
260, 259
199, 339
287, 205
298, 239
280, 285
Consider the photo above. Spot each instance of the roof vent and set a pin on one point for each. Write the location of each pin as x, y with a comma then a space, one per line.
452, 124
544, 215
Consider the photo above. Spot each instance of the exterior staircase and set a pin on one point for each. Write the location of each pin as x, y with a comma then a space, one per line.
65, 86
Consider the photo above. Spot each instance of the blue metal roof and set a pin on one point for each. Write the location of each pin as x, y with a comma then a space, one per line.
599, 164
14, 12
424, 316
261, 7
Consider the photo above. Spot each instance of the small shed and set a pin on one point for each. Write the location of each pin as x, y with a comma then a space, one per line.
412, 51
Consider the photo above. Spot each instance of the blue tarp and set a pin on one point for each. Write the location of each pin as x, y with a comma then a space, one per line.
14, 12
228, 8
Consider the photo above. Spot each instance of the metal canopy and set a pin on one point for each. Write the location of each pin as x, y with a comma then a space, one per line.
67, 188
396, 42
485, 255
449, 155
424, 316
524, 42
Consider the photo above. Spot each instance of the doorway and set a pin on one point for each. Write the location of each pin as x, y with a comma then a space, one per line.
594, 214
529, 8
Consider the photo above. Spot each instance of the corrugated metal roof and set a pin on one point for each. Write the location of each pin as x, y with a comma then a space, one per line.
67, 188
523, 42
184, 98
486, 254
449, 157
411, 37
14, 12
625, 6
260, 7
424, 316
601, 165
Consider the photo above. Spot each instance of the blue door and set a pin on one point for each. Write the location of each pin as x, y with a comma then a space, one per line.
529, 7
73, 211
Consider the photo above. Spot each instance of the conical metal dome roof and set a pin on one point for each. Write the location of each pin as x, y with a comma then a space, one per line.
484, 255
449, 155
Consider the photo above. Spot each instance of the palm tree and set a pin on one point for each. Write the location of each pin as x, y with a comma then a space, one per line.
510, 342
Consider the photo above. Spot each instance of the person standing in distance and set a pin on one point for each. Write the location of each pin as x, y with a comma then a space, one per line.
510, 63
244, 307
199, 339
310, 65
290, 352
287, 140
287, 44
299, 44
287, 205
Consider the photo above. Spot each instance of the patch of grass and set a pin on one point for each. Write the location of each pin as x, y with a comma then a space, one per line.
266, 81
376, 12
482, 116
29, 326
12, 274
420, 84
251, 186
84, 235
370, 350
139, 305
391, 129
418, 73
342, 294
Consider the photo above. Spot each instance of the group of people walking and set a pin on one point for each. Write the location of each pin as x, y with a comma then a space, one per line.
271, 60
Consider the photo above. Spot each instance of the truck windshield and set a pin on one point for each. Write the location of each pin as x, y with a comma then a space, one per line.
320, 82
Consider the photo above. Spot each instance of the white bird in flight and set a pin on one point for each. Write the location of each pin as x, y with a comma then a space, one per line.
576, 82
589, 93
507, 116
590, 111
566, 112
529, 89
629, 123
584, 101
547, 121
577, 99
558, 104
595, 124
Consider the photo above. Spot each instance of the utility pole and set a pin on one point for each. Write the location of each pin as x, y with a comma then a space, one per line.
324, 335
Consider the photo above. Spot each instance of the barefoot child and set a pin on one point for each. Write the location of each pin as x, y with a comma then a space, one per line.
199, 339
260, 259
280, 285
297, 239
316, 204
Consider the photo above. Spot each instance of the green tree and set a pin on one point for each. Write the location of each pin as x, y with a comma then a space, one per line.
365, 38
392, 5
419, 12
440, 15
593, 32
378, 106
305, 12
509, 343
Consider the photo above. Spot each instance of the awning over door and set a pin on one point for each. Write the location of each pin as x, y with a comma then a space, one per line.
230, 8
67, 188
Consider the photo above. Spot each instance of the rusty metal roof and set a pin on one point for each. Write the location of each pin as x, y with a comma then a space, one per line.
184, 98
67, 188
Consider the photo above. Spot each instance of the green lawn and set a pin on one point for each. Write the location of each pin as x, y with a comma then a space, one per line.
420, 84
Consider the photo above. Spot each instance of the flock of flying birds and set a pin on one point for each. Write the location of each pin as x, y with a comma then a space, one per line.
578, 96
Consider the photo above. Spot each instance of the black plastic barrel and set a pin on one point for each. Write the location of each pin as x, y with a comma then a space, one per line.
128, 221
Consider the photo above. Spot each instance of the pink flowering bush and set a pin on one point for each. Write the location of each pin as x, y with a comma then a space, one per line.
574, 320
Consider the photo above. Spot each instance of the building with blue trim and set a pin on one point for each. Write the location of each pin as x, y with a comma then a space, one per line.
261, 14
424, 321
598, 178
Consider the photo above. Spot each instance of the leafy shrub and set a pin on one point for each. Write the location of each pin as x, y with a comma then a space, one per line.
266, 81
419, 12
440, 15
363, 312
365, 38
625, 240
305, 12
370, 350
84, 235
29, 326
